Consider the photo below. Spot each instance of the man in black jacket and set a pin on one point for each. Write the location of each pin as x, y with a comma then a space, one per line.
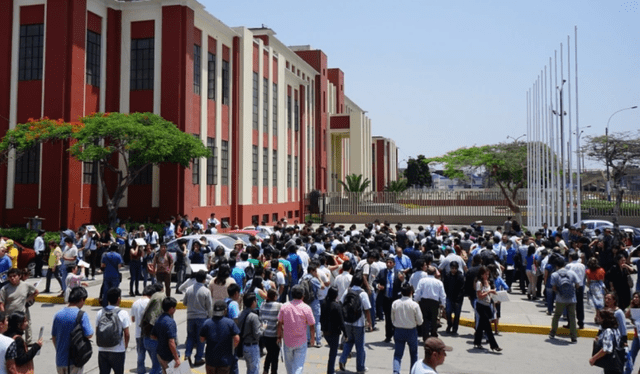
389, 284
454, 287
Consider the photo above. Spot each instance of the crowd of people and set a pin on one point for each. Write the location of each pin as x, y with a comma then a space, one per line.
307, 282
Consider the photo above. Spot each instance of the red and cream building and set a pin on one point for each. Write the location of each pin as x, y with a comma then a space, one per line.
266, 111
384, 164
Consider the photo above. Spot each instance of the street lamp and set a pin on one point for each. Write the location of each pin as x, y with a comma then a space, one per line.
578, 151
563, 185
606, 133
515, 140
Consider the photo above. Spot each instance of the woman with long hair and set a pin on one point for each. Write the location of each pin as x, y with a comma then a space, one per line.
595, 280
617, 280
256, 286
608, 338
611, 304
220, 283
483, 308
18, 323
332, 323
531, 272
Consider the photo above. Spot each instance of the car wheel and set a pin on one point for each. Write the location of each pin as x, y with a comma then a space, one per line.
31, 266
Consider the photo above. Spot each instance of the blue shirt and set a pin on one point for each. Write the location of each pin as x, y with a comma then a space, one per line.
510, 253
111, 260
233, 309
5, 263
196, 257
219, 333
403, 263
238, 275
63, 322
120, 232
295, 261
165, 329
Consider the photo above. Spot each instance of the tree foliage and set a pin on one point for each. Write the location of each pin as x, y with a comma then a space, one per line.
618, 151
121, 144
397, 186
417, 172
506, 163
355, 183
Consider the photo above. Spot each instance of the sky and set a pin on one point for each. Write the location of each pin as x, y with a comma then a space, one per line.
436, 76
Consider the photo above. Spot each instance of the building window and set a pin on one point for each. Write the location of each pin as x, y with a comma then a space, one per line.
255, 101
30, 55
265, 218
212, 162
225, 162
225, 82
142, 59
93, 58
28, 167
144, 177
89, 172
265, 167
274, 217
296, 115
196, 69
195, 171
254, 161
289, 115
211, 77
274, 170
275, 109
288, 170
265, 105
295, 171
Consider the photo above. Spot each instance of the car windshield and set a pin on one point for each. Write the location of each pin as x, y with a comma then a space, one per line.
173, 246
226, 241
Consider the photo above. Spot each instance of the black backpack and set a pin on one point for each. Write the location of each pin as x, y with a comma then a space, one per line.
109, 328
80, 349
352, 306
309, 294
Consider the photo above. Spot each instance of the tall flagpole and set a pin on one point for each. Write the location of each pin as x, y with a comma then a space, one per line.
570, 150
579, 177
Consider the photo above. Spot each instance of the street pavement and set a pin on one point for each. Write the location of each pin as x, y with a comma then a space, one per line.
524, 352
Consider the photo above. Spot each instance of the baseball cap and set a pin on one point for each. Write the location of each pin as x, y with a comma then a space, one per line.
435, 345
219, 308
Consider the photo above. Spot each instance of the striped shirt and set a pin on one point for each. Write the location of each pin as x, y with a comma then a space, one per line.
269, 315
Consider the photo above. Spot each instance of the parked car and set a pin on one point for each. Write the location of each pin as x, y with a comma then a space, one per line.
242, 235
591, 224
214, 240
627, 230
26, 257
250, 232
262, 231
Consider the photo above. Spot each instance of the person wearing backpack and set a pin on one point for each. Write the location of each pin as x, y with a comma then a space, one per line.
112, 334
63, 331
356, 309
564, 283
311, 285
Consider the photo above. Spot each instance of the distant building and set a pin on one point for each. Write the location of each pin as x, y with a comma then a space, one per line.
384, 164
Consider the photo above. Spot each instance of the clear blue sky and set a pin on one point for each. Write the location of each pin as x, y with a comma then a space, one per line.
439, 75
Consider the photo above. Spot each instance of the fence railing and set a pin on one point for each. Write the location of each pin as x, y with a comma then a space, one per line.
463, 203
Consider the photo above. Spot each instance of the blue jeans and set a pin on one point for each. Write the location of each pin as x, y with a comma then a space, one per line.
193, 337
294, 358
400, 337
635, 347
151, 346
355, 336
455, 308
334, 342
315, 308
551, 297
252, 358
108, 284
141, 352
372, 300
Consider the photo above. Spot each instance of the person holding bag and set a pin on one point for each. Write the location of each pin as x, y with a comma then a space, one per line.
607, 350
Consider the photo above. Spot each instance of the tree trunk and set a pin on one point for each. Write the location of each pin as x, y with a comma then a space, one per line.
616, 207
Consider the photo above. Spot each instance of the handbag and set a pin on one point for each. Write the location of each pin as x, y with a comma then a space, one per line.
151, 269
611, 361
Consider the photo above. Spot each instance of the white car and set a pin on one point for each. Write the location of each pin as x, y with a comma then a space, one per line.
214, 241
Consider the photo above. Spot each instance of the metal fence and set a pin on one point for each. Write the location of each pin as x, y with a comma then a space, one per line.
488, 203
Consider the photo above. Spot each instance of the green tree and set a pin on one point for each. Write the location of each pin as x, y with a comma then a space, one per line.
506, 163
417, 172
619, 152
355, 183
397, 186
139, 140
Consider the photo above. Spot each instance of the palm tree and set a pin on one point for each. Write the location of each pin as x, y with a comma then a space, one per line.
397, 186
354, 183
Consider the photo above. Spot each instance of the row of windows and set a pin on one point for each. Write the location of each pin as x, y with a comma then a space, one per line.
255, 102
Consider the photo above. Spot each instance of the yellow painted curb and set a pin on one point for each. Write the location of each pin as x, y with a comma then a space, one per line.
540, 330
91, 301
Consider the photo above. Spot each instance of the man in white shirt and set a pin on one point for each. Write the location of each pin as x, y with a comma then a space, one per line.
137, 311
406, 317
580, 271
113, 357
343, 280
39, 247
431, 296
212, 223
451, 256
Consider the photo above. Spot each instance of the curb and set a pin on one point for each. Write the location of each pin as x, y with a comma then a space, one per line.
124, 303
539, 330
